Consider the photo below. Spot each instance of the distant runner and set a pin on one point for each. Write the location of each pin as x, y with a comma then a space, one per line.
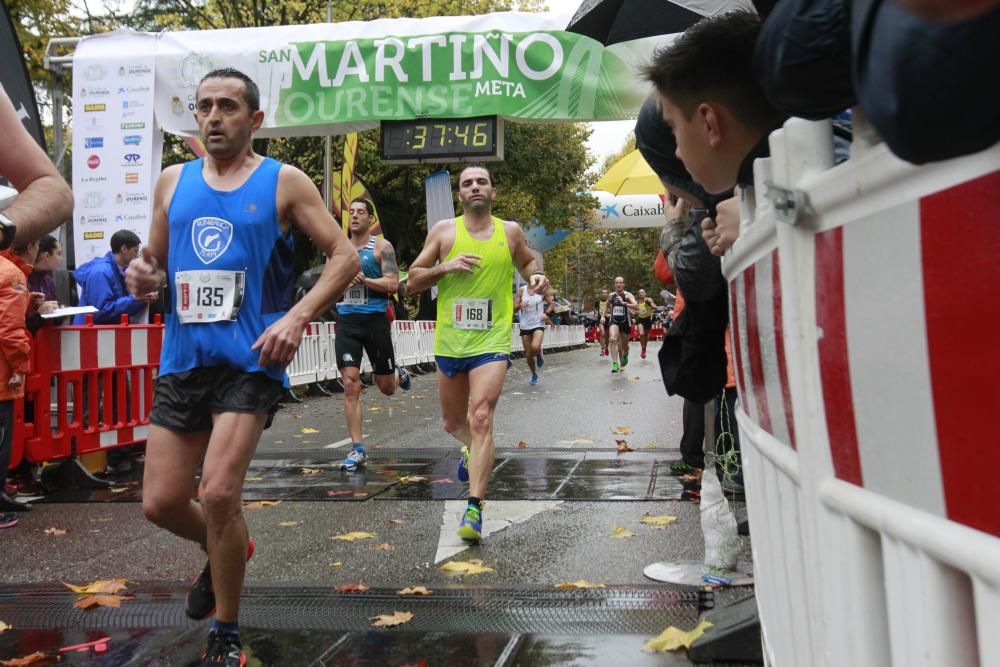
533, 307
618, 311
644, 318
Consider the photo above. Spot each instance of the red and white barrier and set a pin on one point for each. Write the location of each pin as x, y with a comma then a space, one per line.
866, 359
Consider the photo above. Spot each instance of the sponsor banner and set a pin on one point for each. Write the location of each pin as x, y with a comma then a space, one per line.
338, 78
116, 152
626, 211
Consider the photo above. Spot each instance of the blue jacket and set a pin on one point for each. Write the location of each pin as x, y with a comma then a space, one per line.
102, 283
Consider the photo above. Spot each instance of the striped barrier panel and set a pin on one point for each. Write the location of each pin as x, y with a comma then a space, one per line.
98, 380
865, 353
427, 328
406, 340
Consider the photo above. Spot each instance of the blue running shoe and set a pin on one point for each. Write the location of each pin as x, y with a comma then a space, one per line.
534, 379
404, 378
540, 360
355, 459
463, 466
471, 526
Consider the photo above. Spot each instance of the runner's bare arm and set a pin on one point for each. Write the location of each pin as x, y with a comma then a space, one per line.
389, 282
299, 204
147, 273
524, 259
45, 200
424, 273
550, 304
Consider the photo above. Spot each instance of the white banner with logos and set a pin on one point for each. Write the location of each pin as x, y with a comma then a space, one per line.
116, 149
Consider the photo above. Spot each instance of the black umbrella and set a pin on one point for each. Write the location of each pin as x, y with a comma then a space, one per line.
614, 21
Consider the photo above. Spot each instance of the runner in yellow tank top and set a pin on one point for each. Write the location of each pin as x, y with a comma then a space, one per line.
474, 323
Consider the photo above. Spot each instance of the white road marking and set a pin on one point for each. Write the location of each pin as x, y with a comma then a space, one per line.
499, 514
345, 441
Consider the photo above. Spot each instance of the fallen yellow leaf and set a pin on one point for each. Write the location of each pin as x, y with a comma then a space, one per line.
289, 524
582, 583
37, 656
583, 441
4, 627
258, 504
396, 521
389, 620
411, 479
662, 520
55, 531
252, 479
623, 446
674, 638
350, 537
336, 565
633, 377
102, 600
119, 489
621, 532
306, 429
465, 567
416, 590
98, 586
649, 446
623, 430
522, 445
311, 471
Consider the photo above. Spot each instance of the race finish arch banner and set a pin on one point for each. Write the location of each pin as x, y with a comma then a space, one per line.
116, 152
346, 77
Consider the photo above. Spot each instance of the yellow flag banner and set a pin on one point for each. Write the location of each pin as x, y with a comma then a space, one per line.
347, 187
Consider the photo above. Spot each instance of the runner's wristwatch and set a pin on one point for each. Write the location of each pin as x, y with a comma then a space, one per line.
7, 230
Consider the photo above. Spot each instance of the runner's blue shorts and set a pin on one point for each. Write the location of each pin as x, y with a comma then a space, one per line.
452, 366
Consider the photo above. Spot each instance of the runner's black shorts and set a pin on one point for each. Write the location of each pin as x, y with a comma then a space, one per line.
623, 325
645, 322
530, 332
367, 332
187, 400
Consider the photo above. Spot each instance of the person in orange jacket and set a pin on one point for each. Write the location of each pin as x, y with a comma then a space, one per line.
15, 348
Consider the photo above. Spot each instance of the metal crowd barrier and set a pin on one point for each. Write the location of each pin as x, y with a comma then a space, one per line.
864, 305
91, 387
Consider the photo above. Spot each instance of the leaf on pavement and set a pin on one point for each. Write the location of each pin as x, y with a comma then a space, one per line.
350, 537
443, 480
522, 445
623, 446
351, 588
415, 590
101, 600
390, 620
306, 429
258, 504
252, 479
55, 531
583, 441
417, 397
310, 471
37, 656
336, 565
465, 567
633, 377
397, 521
376, 408
623, 430
4, 627
621, 532
99, 586
649, 446
330, 494
119, 489
385, 546
359, 494
661, 520
289, 524
412, 479
674, 638
582, 583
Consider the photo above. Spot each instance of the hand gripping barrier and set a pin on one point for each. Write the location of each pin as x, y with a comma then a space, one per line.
867, 360
99, 382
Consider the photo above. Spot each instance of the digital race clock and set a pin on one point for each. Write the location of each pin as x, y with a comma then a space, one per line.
442, 140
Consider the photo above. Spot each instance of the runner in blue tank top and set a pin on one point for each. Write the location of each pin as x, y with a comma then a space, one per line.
221, 241
363, 326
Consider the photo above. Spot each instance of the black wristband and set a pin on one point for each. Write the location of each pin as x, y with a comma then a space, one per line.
537, 273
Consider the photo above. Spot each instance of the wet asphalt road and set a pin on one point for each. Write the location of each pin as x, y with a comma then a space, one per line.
577, 407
